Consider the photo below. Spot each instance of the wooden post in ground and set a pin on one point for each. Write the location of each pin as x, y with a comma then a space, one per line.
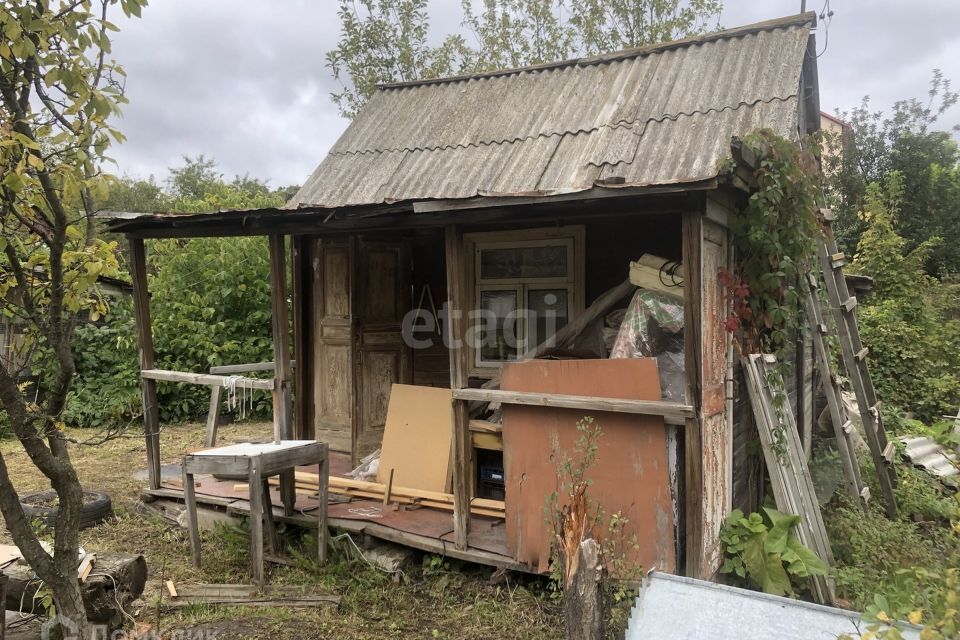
282, 406
148, 388
583, 596
459, 365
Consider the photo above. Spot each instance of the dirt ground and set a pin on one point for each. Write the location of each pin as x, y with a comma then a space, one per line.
436, 598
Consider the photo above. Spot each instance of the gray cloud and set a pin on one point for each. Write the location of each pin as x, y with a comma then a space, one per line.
246, 83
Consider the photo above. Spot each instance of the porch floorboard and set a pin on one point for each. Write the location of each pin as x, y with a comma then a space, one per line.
425, 529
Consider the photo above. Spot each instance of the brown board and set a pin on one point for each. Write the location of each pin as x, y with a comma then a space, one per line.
416, 438
630, 475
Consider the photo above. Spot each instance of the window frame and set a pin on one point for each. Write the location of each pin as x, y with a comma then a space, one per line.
571, 236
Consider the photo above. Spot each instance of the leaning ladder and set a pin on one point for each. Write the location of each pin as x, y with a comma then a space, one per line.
843, 306
842, 425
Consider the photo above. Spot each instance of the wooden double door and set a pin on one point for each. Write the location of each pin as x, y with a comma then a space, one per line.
361, 292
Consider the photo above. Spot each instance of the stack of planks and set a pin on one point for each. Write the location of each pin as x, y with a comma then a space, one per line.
307, 484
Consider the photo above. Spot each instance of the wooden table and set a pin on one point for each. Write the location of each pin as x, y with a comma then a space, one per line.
257, 462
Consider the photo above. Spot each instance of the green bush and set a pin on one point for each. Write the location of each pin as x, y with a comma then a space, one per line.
106, 388
910, 320
878, 560
210, 304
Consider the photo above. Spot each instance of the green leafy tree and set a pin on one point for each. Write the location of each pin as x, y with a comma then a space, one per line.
384, 41
58, 89
211, 302
927, 159
910, 320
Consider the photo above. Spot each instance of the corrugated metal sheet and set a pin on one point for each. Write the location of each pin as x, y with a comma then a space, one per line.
928, 453
686, 609
657, 115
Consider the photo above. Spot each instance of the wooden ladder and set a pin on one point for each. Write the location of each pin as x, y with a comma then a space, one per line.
842, 425
843, 306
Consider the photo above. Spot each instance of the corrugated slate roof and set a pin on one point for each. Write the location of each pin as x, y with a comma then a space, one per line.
652, 116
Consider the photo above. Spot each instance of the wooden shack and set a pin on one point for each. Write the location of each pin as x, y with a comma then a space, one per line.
507, 192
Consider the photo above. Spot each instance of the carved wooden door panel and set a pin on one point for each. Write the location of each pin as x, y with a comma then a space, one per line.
381, 357
333, 343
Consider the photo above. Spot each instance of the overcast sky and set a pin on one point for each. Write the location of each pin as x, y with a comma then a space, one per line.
245, 81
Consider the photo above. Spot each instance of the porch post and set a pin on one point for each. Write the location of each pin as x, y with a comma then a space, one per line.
282, 409
148, 387
692, 441
459, 365
282, 423
302, 424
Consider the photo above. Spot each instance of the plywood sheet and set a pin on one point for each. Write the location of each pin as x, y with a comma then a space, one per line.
416, 439
631, 473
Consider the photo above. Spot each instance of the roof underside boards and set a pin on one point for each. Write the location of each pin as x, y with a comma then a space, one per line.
660, 115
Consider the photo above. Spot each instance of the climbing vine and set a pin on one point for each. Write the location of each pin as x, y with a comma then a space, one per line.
774, 237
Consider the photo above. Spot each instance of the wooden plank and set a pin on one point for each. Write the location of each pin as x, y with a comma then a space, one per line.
485, 426
280, 322
254, 479
323, 496
389, 489
488, 441
213, 416
190, 499
250, 367
302, 337
206, 379
672, 412
692, 436
459, 365
417, 438
148, 388
789, 477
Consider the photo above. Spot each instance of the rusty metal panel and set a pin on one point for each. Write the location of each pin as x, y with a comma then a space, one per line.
631, 473
661, 114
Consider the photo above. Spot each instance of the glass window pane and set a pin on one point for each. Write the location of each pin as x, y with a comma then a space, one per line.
498, 335
547, 313
523, 262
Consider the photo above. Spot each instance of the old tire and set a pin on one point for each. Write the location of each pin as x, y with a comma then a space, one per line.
41, 506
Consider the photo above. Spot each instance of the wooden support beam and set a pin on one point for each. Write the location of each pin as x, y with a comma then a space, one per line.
459, 365
692, 447
213, 416
148, 387
250, 367
674, 412
282, 409
282, 400
302, 339
166, 375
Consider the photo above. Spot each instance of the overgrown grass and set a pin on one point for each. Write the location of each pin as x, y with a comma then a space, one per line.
437, 598
873, 553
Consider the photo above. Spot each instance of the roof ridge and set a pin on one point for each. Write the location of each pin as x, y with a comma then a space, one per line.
620, 124
800, 19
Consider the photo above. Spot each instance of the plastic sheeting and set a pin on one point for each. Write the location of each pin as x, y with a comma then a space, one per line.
652, 327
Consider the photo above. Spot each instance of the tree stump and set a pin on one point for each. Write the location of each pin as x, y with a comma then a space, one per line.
583, 597
115, 582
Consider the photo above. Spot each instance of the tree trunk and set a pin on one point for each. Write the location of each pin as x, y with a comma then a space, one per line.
115, 582
583, 599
